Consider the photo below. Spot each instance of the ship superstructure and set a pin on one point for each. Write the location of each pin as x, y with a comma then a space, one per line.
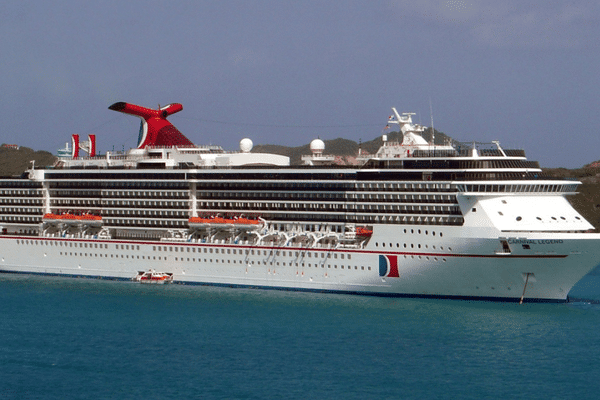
415, 219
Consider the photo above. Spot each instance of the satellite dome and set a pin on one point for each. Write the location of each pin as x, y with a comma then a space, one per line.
246, 145
317, 146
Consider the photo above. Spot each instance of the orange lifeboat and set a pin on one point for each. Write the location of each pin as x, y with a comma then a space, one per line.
363, 232
69, 218
220, 222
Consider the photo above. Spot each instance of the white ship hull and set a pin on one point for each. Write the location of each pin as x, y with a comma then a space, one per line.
455, 267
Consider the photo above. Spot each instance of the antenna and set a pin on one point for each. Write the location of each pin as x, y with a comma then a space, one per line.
432, 129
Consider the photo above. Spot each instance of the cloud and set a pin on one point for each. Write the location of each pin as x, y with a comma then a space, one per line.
511, 23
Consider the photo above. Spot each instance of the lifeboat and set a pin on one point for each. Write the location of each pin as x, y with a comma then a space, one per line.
363, 232
73, 219
224, 223
197, 222
50, 217
152, 276
246, 223
89, 219
212, 222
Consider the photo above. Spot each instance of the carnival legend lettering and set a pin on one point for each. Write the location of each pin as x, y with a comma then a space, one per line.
529, 241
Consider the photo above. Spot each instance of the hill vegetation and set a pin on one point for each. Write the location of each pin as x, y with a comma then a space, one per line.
13, 162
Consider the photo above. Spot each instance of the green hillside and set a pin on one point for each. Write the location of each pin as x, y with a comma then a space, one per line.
16, 161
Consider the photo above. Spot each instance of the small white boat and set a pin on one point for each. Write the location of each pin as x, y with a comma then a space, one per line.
152, 276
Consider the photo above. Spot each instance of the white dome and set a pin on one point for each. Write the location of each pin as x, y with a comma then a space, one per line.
317, 146
246, 145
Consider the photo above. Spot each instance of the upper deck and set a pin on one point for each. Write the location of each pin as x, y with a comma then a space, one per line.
412, 159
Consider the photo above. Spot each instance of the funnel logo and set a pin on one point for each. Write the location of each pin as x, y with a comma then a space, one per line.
388, 266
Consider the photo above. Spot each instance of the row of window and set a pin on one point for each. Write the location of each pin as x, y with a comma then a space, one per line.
332, 196
204, 250
18, 218
250, 184
222, 261
18, 184
276, 207
20, 210
82, 245
95, 193
249, 263
21, 193
517, 188
412, 246
20, 200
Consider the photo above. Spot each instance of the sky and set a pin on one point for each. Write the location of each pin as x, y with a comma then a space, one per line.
526, 73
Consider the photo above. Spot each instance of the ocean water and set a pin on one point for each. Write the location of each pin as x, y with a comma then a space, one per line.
65, 338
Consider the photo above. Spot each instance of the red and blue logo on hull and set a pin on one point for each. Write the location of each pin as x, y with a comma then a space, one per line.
388, 266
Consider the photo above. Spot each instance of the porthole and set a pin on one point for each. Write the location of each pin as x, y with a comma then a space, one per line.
538, 218
519, 218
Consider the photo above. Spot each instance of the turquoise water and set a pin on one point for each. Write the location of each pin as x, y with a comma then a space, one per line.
87, 339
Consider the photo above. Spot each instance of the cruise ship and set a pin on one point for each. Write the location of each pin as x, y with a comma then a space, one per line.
469, 221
